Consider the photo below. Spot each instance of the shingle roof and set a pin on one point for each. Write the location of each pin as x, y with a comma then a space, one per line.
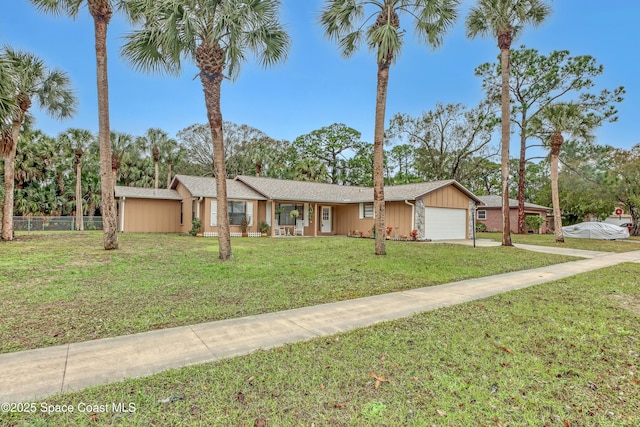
200, 186
282, 189
147, 193
496, 202
413, 191
258, 188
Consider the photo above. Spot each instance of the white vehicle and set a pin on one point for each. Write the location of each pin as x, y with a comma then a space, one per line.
596, 230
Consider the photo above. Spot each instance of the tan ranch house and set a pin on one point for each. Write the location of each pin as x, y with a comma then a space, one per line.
438, 210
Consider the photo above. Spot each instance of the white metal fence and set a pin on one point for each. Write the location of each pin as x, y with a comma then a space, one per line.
232, 234
54, 223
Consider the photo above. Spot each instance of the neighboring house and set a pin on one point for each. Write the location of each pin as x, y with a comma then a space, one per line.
619, 216
438, 210
490, 214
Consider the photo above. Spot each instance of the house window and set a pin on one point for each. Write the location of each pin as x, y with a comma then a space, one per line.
181, 213
285, 217
193, 209
482, 214
237, 211
367, 210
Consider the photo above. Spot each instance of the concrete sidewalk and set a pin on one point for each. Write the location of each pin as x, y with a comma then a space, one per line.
36, 374
579, 253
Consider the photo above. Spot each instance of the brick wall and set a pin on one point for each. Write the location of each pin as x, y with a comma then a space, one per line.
494, 220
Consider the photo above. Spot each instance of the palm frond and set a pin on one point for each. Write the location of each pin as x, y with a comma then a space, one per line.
145, 51
173, 29
70, 8
387, 40
350, 43
33, 78
492, 17
56, 96
434, 18
8, 81
338, 18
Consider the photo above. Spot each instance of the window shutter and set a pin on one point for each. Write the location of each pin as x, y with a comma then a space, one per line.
250, 213
306, 214
361, 205
214, 213
268, 221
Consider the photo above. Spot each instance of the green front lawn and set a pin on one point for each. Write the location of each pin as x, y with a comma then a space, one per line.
558, 354
63, 287
632, 244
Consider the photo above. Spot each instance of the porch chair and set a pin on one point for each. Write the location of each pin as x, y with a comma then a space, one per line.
299, 228
279, 231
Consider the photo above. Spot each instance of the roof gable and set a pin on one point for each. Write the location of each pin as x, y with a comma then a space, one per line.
418, 189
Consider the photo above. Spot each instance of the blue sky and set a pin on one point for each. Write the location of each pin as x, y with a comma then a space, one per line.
316, 86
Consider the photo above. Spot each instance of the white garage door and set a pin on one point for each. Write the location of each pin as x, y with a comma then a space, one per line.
445, 223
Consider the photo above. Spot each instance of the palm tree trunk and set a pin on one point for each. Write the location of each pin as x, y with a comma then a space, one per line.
378, 159
211, 84
156, 176
101, 15
169, 174
9, 180
505, 141
521, 171
556, 141
79, 219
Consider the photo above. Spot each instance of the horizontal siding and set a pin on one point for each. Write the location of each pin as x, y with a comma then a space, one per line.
347, 219
151, 216
205, 215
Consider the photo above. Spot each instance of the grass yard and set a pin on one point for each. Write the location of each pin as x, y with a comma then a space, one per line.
632, 244
558, 354
58, 288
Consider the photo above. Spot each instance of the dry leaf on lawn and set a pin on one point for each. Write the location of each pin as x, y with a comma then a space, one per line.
379, 379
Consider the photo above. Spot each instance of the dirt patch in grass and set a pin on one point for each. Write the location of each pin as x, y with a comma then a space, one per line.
629, 302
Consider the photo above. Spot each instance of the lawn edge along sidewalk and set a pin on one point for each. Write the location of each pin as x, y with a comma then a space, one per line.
35, 374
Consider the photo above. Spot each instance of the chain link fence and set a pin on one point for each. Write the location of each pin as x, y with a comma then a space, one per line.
54, 223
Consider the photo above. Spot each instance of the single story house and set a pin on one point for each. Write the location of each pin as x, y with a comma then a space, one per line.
490, 214
438, 210
619, 216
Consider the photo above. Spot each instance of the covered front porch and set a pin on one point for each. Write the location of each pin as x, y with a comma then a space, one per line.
313, 219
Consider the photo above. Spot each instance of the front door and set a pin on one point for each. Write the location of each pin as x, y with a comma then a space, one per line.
325, 219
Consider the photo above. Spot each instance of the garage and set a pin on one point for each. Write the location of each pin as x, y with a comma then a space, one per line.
445, 223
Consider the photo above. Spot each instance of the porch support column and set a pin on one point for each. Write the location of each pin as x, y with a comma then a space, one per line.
315, 220
273, 218
122, 214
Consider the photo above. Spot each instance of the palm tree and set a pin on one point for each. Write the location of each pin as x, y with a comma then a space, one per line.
347, 22
101, 12
551, 123
77, 141
7, 92
311, 169
505, 19
216, 35
155, 141
52, 90
172, 152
